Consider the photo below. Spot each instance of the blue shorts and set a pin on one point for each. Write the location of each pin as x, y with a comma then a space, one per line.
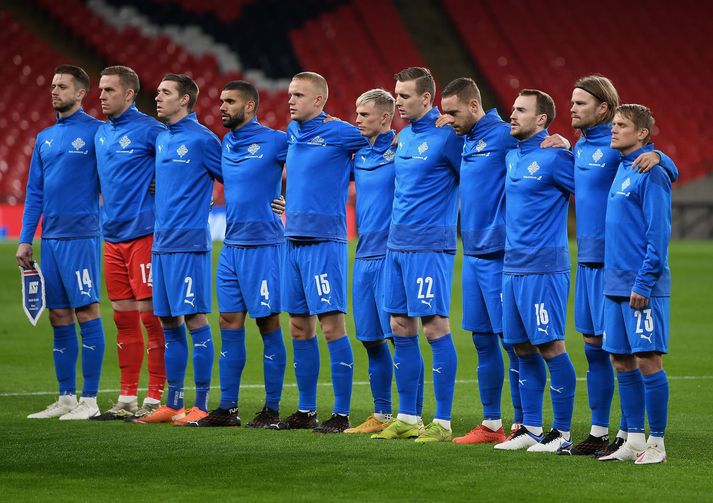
483, 294
589, 300
371, 321
535, 307
181, 283
71, 271
629, 331
418, 283
315, 277
248, 280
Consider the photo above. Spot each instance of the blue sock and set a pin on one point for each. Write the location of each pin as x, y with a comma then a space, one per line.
563, 382
656, 391
491, 371
445, 364
631, 393
600, 384
274, 361
231, 364
306, 372
408, 364
513, 377
66, 351
533, 376
419, 392
380, 376
342, 364
175, 357
202, 364
622, 421
92, 355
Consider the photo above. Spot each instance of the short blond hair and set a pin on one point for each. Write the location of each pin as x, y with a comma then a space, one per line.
319, 82
382, 100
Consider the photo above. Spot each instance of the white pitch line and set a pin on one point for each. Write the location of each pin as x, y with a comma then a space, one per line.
294, 385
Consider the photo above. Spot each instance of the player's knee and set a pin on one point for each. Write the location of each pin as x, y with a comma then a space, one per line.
524, 349
171, 321
372, 344
196, 321
551, 349
268, 324
333, 326
61, 317
301, 328
88, 313
649, 362
232, 321
403, 326
624, 363
435, 327
594, 340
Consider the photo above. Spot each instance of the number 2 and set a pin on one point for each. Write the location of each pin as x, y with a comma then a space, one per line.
189, 288
428, 281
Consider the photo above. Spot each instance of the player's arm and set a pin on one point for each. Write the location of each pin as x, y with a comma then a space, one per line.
352, 140
152, 134
656, 206
648, 160
556, 141
563, 173
278, 204
453, 151
33, 209
212, 158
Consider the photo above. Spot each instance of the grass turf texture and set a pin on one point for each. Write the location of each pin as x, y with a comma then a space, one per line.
52, 460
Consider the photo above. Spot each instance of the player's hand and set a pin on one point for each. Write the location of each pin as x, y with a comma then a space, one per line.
555, 141
24, 255
637, 301
278, 205
444, 120
330, 118
152, 187
646, 161
395, 141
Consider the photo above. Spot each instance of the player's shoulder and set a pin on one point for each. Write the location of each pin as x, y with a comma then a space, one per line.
659, 176
557, 155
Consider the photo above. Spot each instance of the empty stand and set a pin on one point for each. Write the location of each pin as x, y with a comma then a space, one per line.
648, 52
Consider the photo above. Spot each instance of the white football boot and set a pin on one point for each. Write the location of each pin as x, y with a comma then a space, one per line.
627, 452
522, 439
655, 453
86, 408
65, 404
552, 442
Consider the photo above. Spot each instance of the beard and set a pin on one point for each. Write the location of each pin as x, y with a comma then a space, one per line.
64, 106
234, 120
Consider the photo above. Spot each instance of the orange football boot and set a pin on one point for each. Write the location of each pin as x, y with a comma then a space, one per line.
163, 414
481, 435
194, 415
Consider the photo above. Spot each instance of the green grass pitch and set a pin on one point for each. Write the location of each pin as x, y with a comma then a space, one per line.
49, 460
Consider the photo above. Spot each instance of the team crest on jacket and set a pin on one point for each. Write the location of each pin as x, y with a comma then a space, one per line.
480, 146
389, 155
625, 184
422, 148
533, 168
597, 155
124, 141
253, 148
182, 150
317, 140
78, 143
